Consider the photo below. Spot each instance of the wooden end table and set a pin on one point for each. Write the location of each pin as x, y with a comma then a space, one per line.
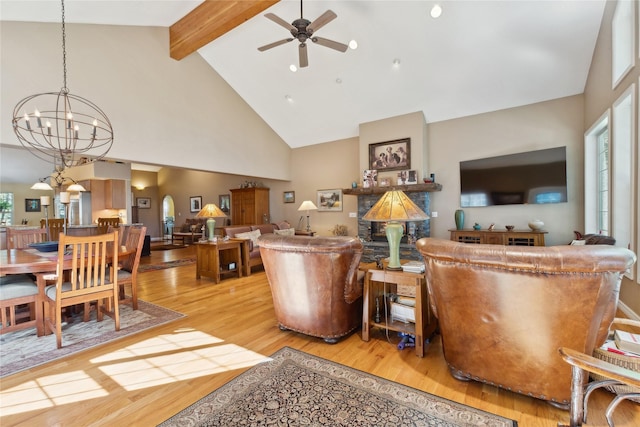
379, 282
208, 258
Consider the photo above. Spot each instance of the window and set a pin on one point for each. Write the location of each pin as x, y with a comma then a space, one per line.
602, 181
596, 177
6, 208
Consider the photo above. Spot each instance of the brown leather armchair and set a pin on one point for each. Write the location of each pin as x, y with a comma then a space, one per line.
314, 283
504, 311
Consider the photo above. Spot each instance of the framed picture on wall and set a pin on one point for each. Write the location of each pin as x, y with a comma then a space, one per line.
329, 200
32, 205
195, 203
224, 201
144, 202
390, 155
289, 196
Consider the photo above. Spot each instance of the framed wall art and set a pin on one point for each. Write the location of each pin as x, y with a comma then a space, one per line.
144, 202
329, 200
32, 205
224, 203
390, 155
195, 203
289, 196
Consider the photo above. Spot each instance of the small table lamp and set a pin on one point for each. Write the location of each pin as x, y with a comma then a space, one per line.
210, 210
394, 206
307, 205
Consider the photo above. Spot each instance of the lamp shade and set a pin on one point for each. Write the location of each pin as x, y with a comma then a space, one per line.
41, 186
75, 188
210, 210
395, 205
307, 205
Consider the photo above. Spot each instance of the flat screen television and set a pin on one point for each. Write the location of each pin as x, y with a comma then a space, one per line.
532, 177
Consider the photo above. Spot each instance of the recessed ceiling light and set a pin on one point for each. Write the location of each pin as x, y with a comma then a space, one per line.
396, 62
436, 11
338, 80
353, 44
293, 68
288, 98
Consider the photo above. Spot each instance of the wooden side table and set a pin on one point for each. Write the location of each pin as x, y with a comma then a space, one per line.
401, 283
208, 258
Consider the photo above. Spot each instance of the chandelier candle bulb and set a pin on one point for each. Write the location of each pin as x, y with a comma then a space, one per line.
75, 131
48, 128
95, 124
26, 120
69, 120
37, 114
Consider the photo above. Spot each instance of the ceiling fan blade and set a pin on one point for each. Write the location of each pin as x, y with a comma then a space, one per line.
321, 21
280, 21
330, 43
274, 44
304, 59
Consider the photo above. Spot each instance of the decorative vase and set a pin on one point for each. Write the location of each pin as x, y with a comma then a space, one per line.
459, 217
211, 225
536, 224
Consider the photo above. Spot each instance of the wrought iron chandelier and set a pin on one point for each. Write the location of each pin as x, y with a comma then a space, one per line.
64, 129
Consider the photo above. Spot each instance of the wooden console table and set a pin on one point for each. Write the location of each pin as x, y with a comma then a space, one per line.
401, 283
208, 258
499, 237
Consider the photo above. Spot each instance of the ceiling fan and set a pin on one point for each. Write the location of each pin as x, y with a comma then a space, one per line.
303, 30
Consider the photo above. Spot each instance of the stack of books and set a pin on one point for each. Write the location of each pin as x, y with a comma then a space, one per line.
627, 342
403, 309
413, 267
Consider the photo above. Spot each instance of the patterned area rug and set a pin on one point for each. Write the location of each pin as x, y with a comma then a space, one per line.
22, 350
295, 388
167, 247
169, 264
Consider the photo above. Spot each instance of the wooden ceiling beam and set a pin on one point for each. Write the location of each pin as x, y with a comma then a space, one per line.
209, 21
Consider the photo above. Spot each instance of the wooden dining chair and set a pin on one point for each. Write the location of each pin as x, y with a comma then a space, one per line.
104, 223
86, 259
128, 271
20, 238
18, 303
56, 226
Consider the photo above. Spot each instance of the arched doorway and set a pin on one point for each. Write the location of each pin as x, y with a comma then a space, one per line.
168, 216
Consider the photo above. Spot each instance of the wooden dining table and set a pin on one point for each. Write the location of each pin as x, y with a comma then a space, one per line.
40, 264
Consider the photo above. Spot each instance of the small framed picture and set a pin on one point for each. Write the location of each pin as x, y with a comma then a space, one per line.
144, 202
369, 178
224, 203
412, 177
385, 182
32, 205
195, 203
329, 200
289, 196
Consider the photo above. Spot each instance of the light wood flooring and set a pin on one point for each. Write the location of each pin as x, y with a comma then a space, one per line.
146, 378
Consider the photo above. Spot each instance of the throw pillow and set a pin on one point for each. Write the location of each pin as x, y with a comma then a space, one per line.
286, 232
253, 235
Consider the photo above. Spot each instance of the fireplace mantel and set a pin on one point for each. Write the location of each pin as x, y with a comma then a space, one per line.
411, 188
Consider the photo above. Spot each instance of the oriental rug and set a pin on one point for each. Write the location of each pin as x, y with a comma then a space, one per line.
293, 388
168, 247
23, 350
169, 264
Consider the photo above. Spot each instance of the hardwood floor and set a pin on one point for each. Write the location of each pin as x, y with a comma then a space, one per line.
146, 378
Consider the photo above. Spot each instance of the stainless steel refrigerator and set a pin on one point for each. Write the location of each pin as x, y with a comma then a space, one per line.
80, 208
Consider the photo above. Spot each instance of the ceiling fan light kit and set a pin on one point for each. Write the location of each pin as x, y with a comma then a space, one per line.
302, 30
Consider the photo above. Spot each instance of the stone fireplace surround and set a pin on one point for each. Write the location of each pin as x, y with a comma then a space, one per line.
367, 197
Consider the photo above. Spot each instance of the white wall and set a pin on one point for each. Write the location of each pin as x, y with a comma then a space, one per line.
152, 100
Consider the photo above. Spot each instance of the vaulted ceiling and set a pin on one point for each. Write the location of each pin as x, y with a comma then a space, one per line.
478, 56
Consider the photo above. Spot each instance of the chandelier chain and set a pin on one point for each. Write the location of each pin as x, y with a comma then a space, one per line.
64, 53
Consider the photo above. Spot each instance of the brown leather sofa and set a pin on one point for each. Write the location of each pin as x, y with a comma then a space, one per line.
314, 283
504, 311
250, 248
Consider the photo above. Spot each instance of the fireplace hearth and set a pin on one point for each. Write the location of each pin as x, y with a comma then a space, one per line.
372, 233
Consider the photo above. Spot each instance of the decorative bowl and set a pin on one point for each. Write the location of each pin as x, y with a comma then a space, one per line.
45, 246
509, 227
536, 224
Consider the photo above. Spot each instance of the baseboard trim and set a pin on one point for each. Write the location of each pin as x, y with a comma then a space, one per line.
628, 311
